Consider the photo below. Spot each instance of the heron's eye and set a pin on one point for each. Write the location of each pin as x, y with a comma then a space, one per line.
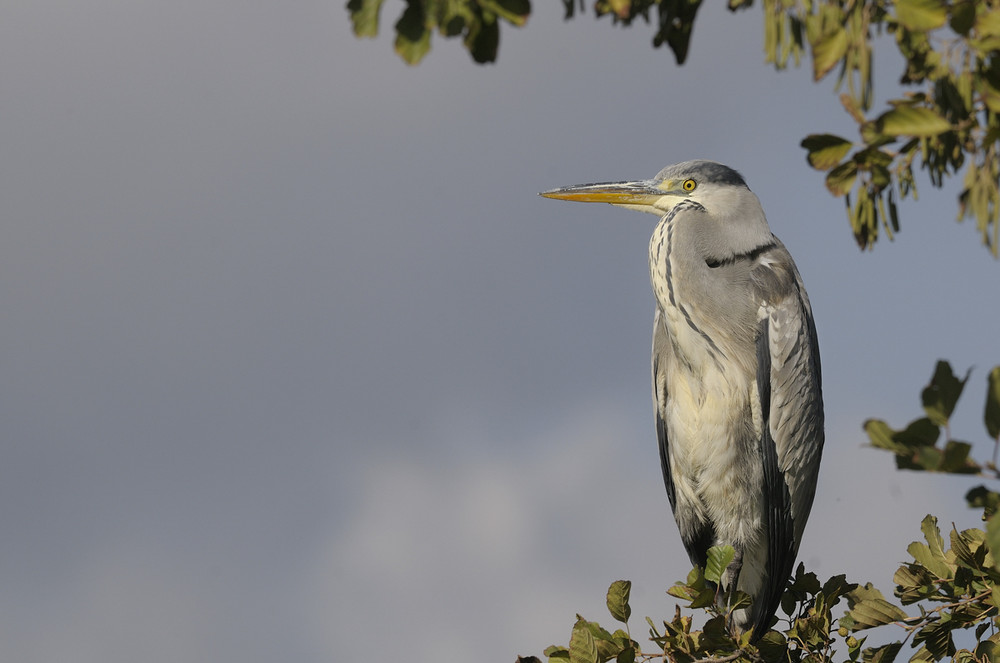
689, 185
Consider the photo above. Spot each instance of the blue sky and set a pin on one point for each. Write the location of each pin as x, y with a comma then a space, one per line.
297, 365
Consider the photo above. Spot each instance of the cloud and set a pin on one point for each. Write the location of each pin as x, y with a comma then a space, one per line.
494, 549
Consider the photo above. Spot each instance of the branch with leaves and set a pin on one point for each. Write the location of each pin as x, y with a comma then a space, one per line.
948, 120
955, 588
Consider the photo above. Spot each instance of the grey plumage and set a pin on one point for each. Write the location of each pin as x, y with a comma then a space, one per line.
736, 374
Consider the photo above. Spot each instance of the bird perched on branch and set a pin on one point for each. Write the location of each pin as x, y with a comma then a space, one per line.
736, 375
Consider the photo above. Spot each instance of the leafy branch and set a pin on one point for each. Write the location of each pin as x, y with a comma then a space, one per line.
955, 587
947, 121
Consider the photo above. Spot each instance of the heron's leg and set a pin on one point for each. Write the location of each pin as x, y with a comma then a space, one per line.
732, 576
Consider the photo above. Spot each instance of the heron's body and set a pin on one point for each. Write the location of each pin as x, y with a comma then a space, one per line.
736, 375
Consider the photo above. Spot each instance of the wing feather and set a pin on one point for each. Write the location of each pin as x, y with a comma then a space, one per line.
789, 387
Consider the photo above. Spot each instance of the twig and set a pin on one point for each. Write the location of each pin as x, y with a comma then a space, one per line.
917, 622
724, 659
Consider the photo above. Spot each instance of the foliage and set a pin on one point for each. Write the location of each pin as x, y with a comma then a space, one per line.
948, 120
954, 585
475, 20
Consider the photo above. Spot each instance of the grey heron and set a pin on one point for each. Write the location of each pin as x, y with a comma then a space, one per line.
736, 375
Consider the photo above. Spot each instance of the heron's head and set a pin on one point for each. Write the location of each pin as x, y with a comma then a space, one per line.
718, 188
735, 220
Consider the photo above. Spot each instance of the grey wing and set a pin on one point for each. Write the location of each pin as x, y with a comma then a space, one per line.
661, 358
696, 535
796, 418
790, 392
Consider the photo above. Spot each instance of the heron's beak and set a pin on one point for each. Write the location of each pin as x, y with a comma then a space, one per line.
643, 193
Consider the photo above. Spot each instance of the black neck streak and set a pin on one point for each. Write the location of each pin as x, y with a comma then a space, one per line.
749, 256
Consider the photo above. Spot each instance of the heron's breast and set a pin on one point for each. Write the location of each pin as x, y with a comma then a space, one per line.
712, 425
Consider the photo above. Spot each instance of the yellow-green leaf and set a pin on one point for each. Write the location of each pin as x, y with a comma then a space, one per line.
988, 24
881, 434
991, 96
841, 179
364, 16
912, 121
413, 38
719, 558
828, 50
555, 651
921, 15
617, 600
582, 648
931, 555
886, 653
932, 534
987, 651
515, 11
869, 608
825, 150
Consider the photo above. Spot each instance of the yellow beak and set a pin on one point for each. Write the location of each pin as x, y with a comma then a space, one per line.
642, 193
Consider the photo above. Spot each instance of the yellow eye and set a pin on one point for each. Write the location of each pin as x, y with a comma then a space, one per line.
689, 185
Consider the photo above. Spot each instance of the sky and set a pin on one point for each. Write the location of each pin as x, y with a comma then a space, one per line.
297, 366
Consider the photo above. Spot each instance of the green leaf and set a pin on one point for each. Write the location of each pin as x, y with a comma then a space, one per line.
911, 121
772, 647
940, 396
920, 432
626, 655
988, 651
869, 608
988, 24
990, 95
364, 16
967, 548
836, 587
982, 498
805, 583
931, 555
932, 534
617, 599
719, 558
993, 538
604, 641
704, 598
555, 651
828, 49
841, 179
955, 458
915, 583
653, 631
413, 38
825, 150
515, 11
881, 436
936, 636
992, 414
582, 648
963, 16
921, 15
483, 39
885, 653
676, 21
